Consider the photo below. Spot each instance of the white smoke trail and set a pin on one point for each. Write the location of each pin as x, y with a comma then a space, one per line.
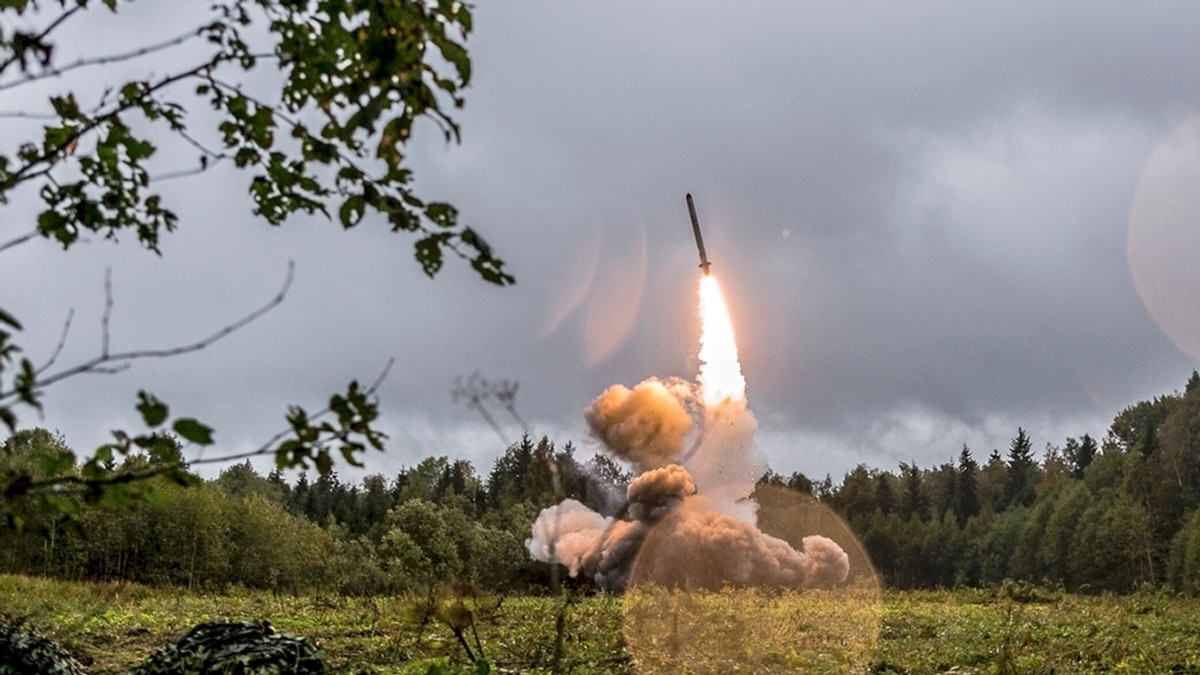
728, 464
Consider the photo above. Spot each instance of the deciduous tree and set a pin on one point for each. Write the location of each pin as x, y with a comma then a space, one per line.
312, 103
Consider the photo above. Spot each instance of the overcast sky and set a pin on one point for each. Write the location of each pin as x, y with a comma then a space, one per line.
934, 223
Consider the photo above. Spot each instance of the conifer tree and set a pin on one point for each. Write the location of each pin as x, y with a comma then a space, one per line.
1020, 479
967, 493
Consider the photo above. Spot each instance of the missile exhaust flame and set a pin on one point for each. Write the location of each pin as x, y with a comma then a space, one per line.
720, 372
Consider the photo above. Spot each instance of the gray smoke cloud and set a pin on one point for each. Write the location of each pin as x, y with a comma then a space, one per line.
609, 561
565, 533
689, 520
653, 494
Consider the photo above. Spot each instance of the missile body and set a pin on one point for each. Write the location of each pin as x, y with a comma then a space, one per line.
704, 264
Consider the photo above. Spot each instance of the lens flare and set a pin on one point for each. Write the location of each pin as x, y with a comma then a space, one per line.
1163, 237
720, 373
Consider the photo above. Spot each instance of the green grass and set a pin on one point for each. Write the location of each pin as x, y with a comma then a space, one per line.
981, 632
111, 627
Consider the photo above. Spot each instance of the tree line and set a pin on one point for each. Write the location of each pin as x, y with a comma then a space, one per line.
1089, 515
437, 521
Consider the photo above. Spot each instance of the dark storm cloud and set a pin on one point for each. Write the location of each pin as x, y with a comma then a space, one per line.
953, 183
918, 211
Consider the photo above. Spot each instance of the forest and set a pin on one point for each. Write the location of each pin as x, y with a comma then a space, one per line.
1119, 514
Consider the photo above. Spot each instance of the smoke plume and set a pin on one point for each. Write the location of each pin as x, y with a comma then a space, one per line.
683, 525
699, 547
565, 533
689, 520
644, 426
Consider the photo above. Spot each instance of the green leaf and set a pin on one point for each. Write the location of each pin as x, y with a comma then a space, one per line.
191, 430
55, 224
457, 55
352, 210
442, 214
58, 139
290, 453
429, 254
65, 106
131, 91
104, 454
9, 418
395, 133
7, 318
348, 451
324, 463
25, 383
138, 149
154, 412
492, 270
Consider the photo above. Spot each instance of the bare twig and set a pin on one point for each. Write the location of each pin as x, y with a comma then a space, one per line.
477, 390
104, 318
487, 416
506, 393
382, 376
103, 60
208, 159
110, 370
206, 152
42, 35
25, 115
62, 341
19, 240
107, 362
182, 173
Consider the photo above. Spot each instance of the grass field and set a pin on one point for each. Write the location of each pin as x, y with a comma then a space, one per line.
111, 627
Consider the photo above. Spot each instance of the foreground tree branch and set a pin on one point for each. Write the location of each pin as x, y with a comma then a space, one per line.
105, 361
364, 73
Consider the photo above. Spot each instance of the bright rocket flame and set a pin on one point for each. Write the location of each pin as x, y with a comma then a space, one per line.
720, 372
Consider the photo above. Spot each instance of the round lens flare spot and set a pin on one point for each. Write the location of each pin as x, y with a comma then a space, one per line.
708, 613
1164, 237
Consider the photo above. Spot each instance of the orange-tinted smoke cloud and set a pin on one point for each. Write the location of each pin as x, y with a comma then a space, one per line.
644, 426
689, 520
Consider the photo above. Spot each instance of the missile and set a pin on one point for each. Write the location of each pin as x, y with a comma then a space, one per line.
704, 264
